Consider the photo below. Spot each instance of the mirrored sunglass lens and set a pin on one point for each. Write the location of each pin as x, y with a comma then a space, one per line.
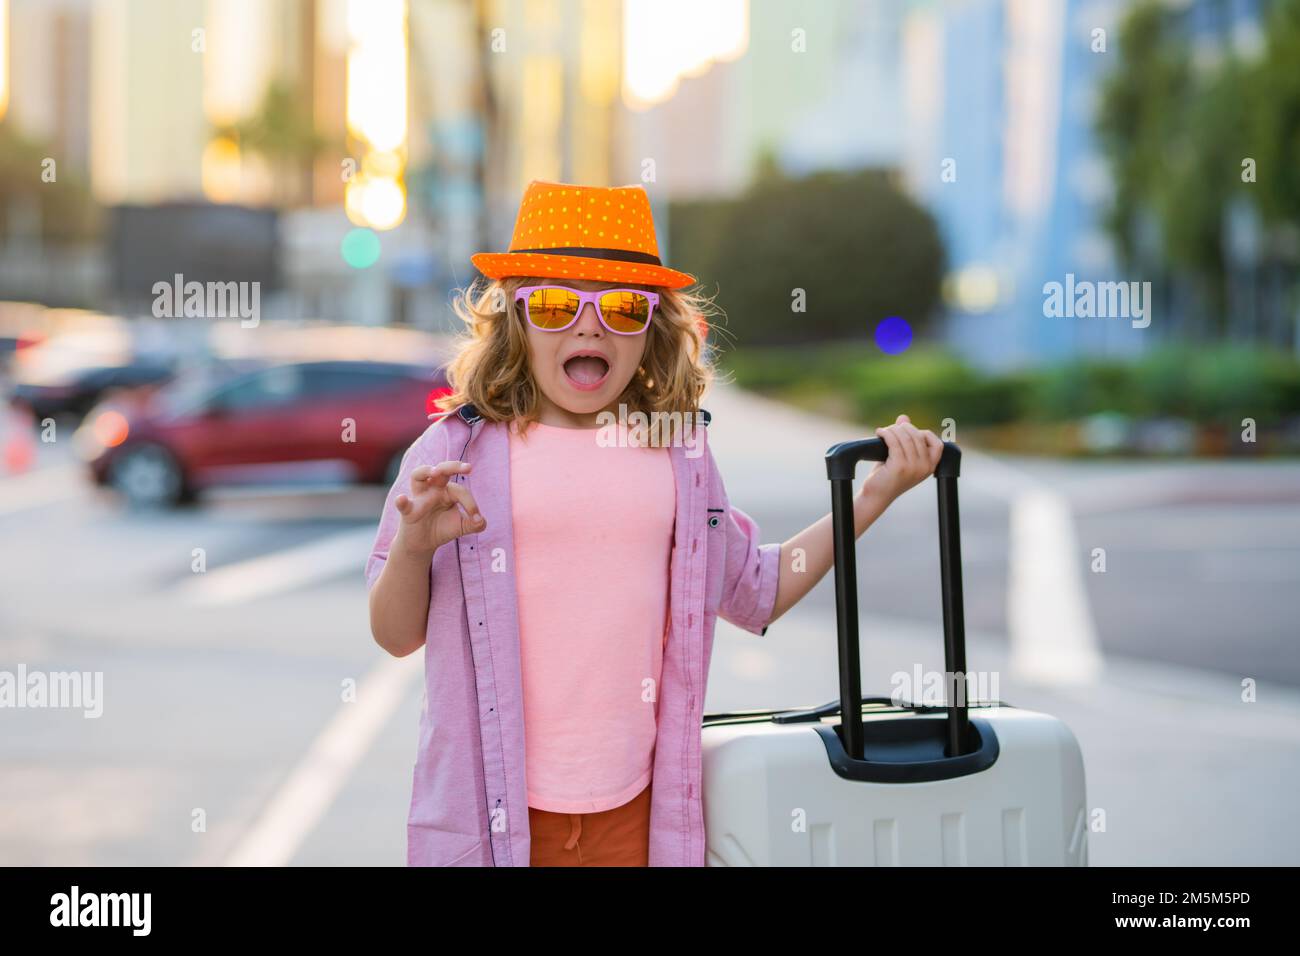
625, 311
551, 308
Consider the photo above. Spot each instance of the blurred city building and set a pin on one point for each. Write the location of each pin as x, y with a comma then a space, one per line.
392, 139
1002, 95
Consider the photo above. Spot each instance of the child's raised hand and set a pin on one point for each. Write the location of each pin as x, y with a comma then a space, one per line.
913, 456
430, 513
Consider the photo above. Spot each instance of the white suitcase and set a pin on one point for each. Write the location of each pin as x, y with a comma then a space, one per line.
977, 784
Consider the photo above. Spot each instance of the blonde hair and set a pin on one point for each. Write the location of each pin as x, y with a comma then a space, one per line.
491, 371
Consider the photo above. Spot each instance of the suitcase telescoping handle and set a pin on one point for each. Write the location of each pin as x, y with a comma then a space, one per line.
841, 465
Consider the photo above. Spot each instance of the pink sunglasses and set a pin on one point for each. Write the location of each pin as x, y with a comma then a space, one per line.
553, 308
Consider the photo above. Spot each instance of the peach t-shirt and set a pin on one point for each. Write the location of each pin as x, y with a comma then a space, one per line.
593, 535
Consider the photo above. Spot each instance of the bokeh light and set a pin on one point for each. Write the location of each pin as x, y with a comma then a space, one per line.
973, 289
431, 399
894, 335
4, 57
665, 40
377, 203
110, 428
220, 170
376, 72
360, 248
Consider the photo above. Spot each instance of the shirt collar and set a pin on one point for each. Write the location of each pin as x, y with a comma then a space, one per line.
470, 415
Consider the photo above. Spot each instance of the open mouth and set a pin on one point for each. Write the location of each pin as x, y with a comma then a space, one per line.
586, 372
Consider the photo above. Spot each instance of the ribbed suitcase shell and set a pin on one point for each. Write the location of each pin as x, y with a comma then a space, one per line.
772, 798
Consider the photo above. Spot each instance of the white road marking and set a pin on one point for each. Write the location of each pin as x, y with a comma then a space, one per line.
41, 487
300, 804
1049, 622
281, 571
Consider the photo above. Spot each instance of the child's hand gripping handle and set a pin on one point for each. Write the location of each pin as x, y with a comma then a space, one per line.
841, 464
842, 459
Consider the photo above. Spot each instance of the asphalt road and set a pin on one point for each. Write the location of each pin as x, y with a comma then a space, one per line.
227, 733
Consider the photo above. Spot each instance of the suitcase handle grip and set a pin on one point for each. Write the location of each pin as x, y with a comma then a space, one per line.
841, 465
842, 459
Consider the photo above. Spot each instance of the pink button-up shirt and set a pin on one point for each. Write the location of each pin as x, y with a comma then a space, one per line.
469, 801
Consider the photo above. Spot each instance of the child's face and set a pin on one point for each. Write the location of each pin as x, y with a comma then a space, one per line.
574, 390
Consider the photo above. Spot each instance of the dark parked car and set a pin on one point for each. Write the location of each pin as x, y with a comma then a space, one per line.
76, 389
350, 421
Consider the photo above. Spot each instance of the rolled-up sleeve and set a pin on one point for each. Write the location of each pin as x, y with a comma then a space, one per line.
429, 449
751, 575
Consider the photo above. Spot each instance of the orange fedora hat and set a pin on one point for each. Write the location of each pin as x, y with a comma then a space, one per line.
564, 231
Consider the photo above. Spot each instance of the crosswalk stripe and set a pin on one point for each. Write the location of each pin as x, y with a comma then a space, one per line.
281, 571
1049, 621
306, 796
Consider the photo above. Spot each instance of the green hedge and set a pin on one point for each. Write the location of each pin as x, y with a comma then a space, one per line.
1220, 385
1196, 384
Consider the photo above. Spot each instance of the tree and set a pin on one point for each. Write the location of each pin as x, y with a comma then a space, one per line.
68, 212
1176, 135
283, 132
1273, 116
850, 248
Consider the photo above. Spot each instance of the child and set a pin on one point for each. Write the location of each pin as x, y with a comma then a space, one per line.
564, 570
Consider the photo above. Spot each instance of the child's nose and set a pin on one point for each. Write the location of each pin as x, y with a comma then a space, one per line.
589, 321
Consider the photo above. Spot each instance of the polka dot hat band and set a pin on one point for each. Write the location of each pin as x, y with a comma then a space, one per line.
563, 231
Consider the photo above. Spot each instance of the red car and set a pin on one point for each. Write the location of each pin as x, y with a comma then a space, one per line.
348, 421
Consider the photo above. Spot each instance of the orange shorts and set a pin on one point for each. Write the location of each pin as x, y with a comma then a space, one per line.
617, 837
